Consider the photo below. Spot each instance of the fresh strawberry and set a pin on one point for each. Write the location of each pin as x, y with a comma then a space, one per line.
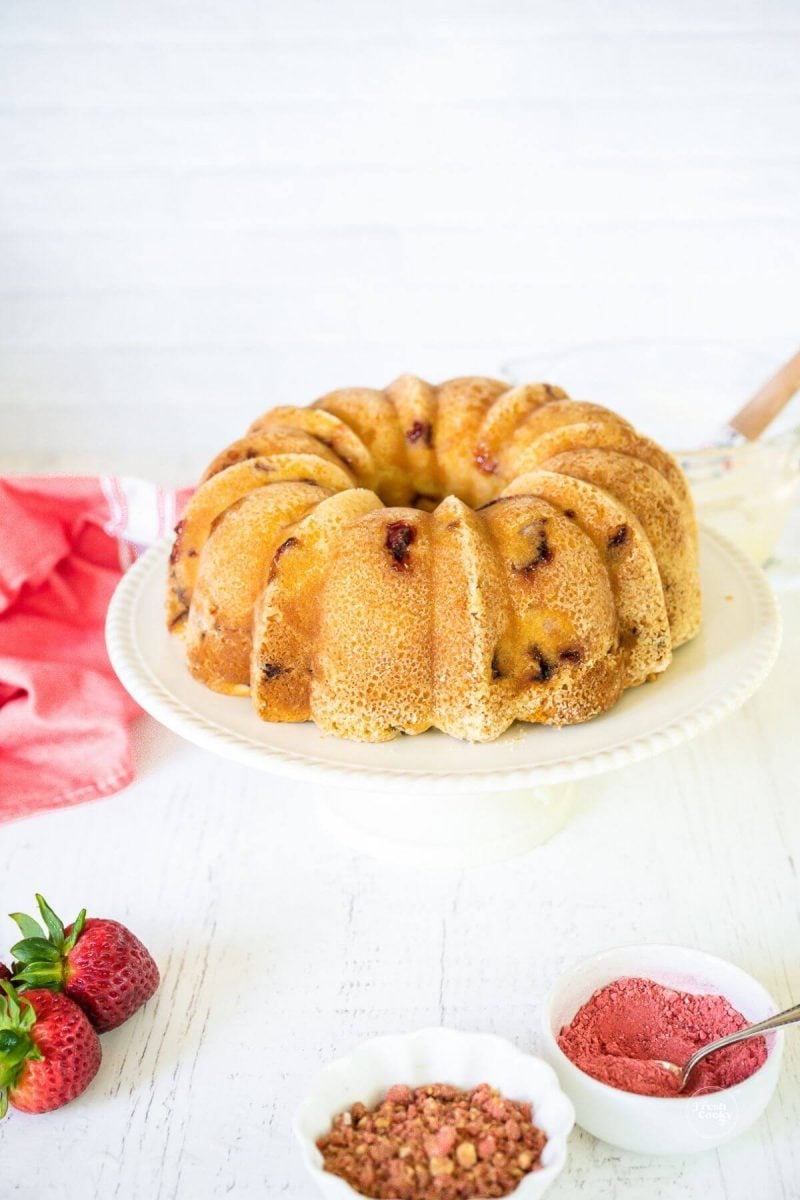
49, 1052
96, 962
4, 972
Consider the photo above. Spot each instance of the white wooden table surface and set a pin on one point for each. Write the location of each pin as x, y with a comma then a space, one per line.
280, 950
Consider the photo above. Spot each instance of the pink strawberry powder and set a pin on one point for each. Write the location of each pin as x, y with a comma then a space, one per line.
630, 1022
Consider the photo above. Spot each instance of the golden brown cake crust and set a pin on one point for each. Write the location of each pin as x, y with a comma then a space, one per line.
457, 557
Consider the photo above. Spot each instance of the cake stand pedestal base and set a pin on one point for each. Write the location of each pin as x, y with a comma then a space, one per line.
457, 830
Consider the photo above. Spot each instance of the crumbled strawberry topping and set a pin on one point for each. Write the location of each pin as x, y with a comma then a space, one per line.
434, 1142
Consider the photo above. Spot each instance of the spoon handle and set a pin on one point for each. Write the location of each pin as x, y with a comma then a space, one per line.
761, 409
788, 1017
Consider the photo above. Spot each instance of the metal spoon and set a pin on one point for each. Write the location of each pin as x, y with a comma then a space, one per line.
789, 1017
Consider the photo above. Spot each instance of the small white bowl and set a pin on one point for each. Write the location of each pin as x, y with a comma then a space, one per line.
649, 1124
436, 1056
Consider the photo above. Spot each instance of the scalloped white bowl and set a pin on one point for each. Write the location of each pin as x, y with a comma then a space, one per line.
435, 1056
652, 1124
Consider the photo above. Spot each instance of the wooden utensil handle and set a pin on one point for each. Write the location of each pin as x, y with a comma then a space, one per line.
756, 415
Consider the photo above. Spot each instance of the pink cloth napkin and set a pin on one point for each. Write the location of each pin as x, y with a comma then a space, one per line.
64, 716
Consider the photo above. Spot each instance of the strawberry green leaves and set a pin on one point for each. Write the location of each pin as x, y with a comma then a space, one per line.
27, 926
77, 930
17, 1018
40, 959
15, 1011
35, 949
54, 924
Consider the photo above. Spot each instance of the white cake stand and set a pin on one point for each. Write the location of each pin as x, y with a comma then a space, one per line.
433, 799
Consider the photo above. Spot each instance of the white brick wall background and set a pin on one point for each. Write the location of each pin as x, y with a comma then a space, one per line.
211, 206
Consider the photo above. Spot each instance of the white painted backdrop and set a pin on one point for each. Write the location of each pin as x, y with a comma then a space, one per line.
209, 206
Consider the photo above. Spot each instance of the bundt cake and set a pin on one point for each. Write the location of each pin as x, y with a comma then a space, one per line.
457, 557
